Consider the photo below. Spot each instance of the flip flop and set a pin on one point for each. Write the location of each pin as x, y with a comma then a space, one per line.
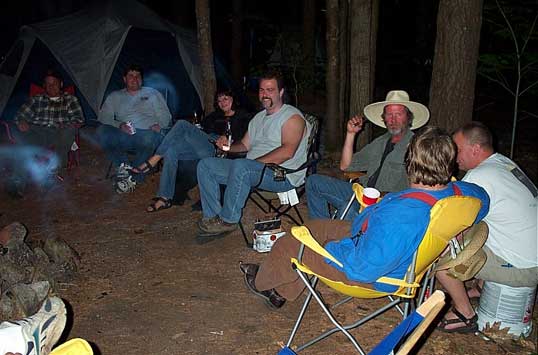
470, 324
153, 206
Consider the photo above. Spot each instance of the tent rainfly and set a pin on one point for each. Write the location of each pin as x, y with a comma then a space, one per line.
91, 48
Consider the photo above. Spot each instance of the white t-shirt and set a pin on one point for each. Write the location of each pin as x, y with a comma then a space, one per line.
512, 210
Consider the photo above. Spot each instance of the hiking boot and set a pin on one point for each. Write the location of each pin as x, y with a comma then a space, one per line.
214, 226
125, 186
271, 297
38, 334
206, 222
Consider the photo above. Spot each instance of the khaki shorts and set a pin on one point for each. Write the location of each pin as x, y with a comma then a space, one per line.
496, 269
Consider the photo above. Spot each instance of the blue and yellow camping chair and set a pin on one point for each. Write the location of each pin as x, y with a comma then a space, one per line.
76, 346
448, 217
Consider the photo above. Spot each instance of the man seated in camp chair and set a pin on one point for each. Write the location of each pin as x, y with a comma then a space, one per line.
370, 247
132, 121
49, 121
279, 135
382, 159
511, 247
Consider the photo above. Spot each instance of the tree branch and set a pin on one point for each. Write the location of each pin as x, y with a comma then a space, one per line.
530, 34
498, 82
528, 87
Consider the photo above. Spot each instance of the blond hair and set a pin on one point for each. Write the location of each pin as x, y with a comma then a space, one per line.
431, 157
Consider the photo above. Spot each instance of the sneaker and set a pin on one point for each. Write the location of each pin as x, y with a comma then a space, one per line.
215, 225
42, 330
271, 297
123, 171
125, 185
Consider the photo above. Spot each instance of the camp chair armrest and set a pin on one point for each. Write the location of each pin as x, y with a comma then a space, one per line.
310, 162
302, 234
353, 176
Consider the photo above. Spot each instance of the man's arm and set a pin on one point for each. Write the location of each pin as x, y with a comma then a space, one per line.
354, 125
24, 115
292, 133
106, 114
74, 112
162, 114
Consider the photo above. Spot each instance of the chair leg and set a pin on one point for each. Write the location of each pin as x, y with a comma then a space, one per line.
348, 206
108, 174
247, 242
302, 313
339, 327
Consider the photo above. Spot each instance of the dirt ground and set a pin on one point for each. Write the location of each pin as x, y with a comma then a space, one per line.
145, 286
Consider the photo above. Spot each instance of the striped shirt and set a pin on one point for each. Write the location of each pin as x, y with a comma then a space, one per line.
41, 110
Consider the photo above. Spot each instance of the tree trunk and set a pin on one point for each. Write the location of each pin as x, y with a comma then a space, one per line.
343, 69
332, 119
209, 85
454, 62
363, 34
309, 39
237, 41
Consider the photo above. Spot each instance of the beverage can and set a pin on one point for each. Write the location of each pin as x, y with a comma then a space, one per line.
196, 121
132, 129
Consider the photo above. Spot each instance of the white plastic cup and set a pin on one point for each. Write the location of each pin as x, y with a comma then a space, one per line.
370, 196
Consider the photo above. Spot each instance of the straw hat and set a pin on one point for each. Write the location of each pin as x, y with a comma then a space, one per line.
471, 259
397, 97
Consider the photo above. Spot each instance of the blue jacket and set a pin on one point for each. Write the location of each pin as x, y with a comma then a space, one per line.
395, 229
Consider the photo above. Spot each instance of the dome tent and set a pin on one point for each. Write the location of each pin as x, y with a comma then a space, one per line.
92, 47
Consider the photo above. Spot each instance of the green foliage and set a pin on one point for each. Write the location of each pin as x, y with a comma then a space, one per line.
509, 57
509, 49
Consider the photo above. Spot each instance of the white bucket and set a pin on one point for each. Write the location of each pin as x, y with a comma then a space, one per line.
510, 306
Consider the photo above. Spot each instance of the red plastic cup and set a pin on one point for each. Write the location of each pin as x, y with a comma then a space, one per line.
370, 196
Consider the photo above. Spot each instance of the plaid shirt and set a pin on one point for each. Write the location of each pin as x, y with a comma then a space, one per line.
40, 110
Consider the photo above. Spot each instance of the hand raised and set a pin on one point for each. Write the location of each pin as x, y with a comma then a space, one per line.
355, 123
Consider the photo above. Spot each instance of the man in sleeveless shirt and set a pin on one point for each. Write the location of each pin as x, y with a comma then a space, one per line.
278, 134
381, 160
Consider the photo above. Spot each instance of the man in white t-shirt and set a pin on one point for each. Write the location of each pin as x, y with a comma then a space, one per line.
511, 247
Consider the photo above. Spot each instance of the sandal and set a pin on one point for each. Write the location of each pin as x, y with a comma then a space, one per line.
145, 168
153, 207
470, 324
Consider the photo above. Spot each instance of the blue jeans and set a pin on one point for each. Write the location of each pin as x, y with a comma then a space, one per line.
322, 190
117, 144
239, 176
184, 142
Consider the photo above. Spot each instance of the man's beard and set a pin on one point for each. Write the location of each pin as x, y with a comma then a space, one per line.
264, 102
395, 131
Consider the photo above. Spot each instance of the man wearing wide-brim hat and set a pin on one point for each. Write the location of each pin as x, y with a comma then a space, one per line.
382, 159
